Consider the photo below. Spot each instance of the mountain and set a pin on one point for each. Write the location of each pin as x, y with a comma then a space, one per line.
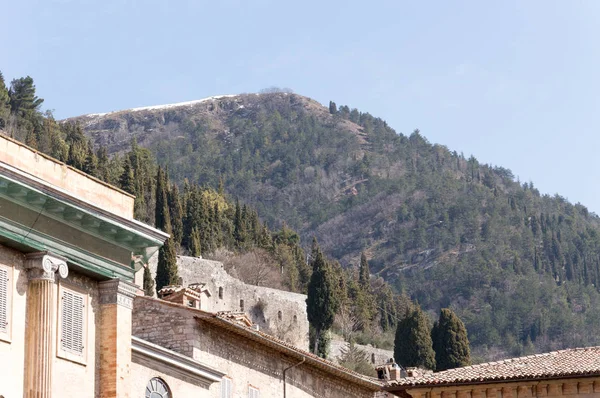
520, 268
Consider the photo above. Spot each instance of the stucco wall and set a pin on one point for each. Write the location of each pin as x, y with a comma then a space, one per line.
70, 379
263, 305
247, 363
12, 353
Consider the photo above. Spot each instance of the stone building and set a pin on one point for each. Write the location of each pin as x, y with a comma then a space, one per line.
572, 372
277, 312
254, 363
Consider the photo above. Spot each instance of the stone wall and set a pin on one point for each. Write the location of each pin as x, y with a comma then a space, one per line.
246, 363
277, 312
377, 356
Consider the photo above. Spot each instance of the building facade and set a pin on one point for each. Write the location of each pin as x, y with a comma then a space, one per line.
569, 373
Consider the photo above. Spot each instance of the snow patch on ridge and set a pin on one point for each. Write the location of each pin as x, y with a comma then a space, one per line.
167, 106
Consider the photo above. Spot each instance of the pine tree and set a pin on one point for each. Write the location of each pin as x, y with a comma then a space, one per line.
322, 303
413, 345
450, 341
102, 156
364, 275
90, 165
23, 100
148, 282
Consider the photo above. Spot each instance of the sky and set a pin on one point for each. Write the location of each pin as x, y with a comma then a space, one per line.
515, 83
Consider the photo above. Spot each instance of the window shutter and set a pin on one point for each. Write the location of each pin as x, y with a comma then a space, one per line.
226, 388
3, 300
253, 392
72, 323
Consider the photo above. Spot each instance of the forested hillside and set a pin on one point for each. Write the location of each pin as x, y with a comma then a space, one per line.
520, 268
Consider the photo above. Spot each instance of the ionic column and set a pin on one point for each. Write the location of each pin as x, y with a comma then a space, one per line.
116, 303
40, 333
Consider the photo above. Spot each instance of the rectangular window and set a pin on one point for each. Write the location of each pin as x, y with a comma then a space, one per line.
72, 325
226, 388
253, 392
5, 302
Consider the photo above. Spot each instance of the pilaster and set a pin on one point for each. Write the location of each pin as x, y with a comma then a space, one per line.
116, 302
42, 269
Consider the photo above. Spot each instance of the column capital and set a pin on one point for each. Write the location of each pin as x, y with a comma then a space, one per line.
45, 266
117, 291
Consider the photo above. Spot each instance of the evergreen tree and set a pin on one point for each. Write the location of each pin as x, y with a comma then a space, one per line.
127, 179
148, 282
239, 227
364, 275
23, 101
195, 246
353, 358
176, 213
103, 167
413, 346
322, 303
4, 103
450, 341
166, 271
90, 165
332, 108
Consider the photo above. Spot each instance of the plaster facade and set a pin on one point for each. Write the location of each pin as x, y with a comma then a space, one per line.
277, 312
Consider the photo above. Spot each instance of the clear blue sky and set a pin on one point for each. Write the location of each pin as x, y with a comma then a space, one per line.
516, 83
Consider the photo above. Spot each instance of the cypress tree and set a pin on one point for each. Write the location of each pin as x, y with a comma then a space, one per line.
148, 282
176, 213
364, 275
413, 346
450, 341
332, 108
127, 179
239, 229
166, 271
322, 303
195, 246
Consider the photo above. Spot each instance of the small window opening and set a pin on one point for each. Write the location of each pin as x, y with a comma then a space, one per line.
191, 303
242, 305
221, 292
295, 319
279, 315
373, 358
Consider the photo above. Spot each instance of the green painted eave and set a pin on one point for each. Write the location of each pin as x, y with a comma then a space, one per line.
35, 195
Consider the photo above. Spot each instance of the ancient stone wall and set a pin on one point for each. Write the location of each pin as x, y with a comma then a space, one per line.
377, 356
277, 312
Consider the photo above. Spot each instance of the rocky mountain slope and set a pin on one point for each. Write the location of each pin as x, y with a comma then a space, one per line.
520, 268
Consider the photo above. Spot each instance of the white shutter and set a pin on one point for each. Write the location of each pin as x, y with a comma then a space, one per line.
225, 388
71, 338
253, 392
3, 300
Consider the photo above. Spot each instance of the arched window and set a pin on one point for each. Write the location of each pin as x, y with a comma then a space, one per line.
157, 388
279, 315
221, 292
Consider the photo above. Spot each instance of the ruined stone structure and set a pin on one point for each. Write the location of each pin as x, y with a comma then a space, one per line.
277, 312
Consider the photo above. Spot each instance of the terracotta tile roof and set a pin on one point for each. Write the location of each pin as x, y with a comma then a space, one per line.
574, 362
